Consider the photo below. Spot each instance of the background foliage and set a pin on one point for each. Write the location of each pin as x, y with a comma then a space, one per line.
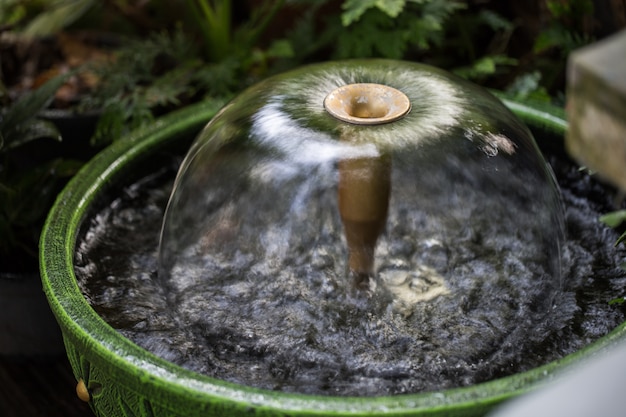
130, 61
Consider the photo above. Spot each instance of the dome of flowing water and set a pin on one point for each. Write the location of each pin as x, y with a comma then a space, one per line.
362, 229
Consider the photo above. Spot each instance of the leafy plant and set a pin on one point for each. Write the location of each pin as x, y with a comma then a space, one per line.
144, 76
17, 123
391, 28
566, 31
442, 32
215, 23
484, 66
148, 77
528, 86
483, 59
615, 219
42, 17
12, 12
567, 28
27, 185
167, 69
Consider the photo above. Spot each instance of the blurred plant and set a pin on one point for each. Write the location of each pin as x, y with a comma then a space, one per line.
167, 69
12, 12
483, 59
149, 77
616, 219
440, 32
391, 28
224, 41
143, 76
18, 124
528, 86
43, 17
27, 186
568, 28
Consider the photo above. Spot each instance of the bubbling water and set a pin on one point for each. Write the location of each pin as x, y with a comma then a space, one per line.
254, 234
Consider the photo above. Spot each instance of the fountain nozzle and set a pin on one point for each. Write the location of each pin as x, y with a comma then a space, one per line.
367, 104
365, 182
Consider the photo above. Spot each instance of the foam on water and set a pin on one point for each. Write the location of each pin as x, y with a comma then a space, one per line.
304, 329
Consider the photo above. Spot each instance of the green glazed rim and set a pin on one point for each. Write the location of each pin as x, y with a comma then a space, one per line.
193, 394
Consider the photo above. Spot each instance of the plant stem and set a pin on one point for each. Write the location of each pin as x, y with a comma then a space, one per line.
216, 26
267, 18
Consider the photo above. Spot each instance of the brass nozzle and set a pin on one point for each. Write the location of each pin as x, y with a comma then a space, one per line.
365, 182
364, 189
367, 104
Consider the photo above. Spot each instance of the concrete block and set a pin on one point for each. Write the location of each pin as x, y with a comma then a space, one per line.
596, 108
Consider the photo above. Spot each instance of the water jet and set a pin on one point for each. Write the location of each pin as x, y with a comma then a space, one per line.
255, 237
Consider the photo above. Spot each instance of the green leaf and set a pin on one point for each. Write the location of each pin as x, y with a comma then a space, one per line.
281, 48
304, 37
528, 86
354, 9
169, 87
391, 7
110, 124
37, 129
27, 107
426, 21
617, 301
376, 34
12, 11
486, 65
614, 218
495, 21
525, 84
60, 14
261, 17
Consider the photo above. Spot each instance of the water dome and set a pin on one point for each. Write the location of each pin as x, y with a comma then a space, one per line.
369, 218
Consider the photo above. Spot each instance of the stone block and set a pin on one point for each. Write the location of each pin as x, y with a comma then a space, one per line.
596, 108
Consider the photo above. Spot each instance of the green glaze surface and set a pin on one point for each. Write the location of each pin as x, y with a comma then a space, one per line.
125, 380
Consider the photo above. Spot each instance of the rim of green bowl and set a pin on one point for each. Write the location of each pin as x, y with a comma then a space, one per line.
78, 319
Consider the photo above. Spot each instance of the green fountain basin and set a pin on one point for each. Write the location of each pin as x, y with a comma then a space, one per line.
119, 378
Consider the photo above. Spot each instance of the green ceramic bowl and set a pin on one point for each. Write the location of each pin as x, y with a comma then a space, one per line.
118, 378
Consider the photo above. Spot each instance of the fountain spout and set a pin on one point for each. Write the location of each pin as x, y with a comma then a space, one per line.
365, 182
364, 188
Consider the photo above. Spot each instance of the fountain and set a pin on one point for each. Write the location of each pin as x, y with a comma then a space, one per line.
356, 238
